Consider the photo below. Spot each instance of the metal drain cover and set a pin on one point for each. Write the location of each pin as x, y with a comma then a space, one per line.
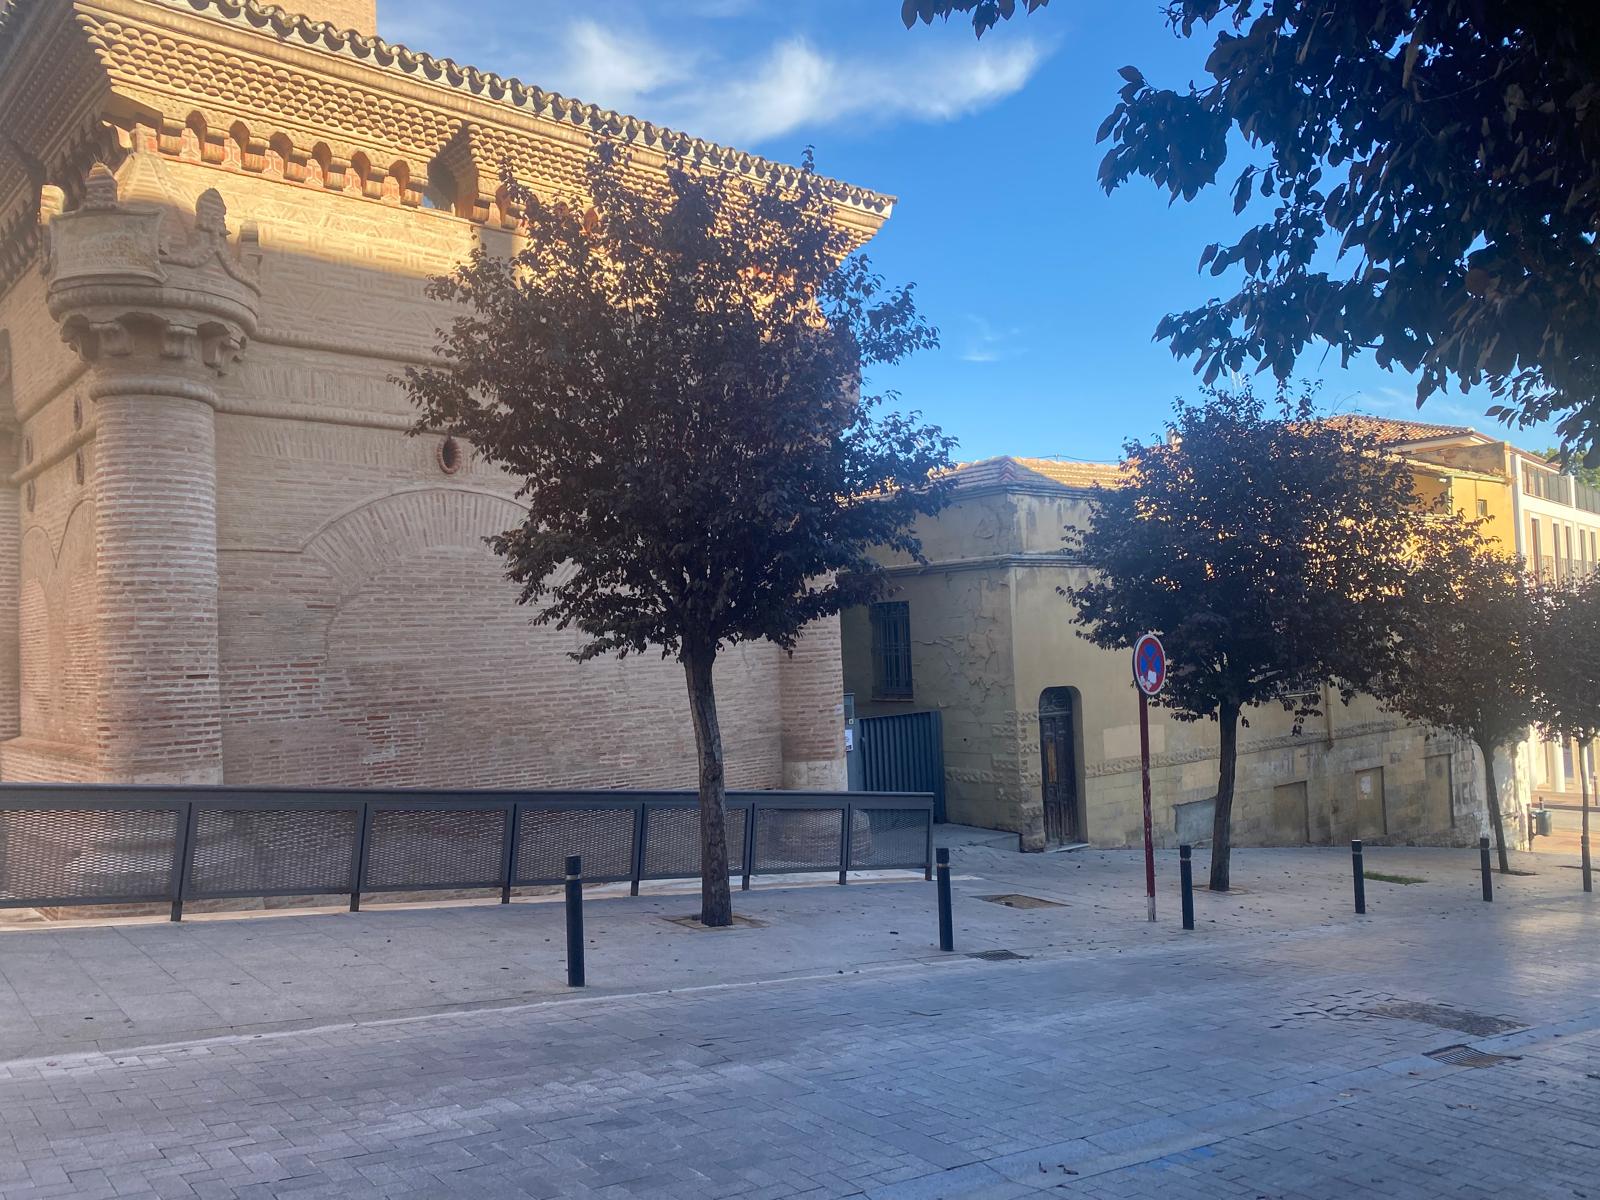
1466, 1056
1445, 1017
998, 955
1012, 900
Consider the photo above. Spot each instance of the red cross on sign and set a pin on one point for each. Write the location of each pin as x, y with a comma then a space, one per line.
1149, 664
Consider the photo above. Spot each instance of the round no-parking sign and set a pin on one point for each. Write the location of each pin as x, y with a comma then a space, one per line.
1149, 664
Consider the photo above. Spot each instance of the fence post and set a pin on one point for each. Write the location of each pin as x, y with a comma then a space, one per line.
363, 821
1360, 875
575, 920
928, 852
639, 835
1483, 866
1186, 878
512, 822
749, 847
844, 844
947, 933
180, 865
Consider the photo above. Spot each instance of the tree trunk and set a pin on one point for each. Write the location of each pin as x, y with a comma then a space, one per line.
1222, 823
1495, 819
716, 903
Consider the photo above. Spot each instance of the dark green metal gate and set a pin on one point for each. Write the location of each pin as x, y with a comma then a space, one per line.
903, 753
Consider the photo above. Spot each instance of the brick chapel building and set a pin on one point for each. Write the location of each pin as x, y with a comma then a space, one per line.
222, 558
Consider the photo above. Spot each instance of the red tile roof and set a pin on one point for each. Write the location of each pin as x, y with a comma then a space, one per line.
1390, 431
1009, 469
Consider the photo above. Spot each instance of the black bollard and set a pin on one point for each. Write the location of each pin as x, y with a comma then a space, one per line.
1360, 876
941, 869
574, 920
1483, 865
1186, 877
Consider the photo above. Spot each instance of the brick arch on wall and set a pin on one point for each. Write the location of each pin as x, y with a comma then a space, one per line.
422, 670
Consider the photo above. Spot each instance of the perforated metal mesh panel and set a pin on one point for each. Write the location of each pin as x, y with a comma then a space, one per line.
798, 839
889, 837
436, 847
257, 851
672, 842
545, 836
89, 854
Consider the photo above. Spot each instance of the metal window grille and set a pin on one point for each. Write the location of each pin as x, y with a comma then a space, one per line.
891, 649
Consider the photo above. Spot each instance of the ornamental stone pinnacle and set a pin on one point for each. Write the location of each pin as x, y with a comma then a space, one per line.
122, 288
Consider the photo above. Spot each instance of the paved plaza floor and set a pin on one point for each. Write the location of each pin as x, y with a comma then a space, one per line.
1439, 1046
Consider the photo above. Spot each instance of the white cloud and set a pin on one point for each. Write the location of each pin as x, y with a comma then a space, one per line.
798, 86
701, 73
614, 70
1439, 408
986, 344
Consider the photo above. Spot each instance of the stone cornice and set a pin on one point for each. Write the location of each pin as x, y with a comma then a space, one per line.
388, 67
289, 98
989, 562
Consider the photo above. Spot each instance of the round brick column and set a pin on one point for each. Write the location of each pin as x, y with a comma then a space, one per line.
159, 310
155, 488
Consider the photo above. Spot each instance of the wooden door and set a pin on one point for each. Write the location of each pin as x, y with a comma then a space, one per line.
1063, 824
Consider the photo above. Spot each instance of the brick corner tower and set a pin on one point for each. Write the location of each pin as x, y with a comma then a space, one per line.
157, 307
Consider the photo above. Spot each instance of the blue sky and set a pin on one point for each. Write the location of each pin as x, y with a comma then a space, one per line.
1046, 291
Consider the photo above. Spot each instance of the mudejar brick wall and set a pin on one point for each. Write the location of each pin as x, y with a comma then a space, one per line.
229, 562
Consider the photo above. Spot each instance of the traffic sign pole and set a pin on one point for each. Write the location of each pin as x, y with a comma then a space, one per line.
1144, 774
1149, 676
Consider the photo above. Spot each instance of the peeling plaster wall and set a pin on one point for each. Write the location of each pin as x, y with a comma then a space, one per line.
961, 646
987, 641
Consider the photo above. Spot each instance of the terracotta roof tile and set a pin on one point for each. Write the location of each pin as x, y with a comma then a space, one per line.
1009, 469
282, 22
1390, 431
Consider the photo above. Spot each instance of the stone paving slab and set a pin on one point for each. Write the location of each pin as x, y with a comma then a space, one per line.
1253, 1059
125, 982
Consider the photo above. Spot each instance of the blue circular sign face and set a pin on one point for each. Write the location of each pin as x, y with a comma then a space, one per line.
1149, 664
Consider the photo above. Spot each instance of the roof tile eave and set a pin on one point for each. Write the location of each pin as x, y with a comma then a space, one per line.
1015, 471
373, 50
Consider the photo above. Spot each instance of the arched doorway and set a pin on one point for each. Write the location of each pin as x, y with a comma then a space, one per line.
1059, 725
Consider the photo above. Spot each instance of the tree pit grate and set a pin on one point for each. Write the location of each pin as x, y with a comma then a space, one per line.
1466, 1056
1013, 900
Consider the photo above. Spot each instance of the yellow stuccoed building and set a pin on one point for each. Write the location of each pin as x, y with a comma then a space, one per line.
221, 557
1040, 728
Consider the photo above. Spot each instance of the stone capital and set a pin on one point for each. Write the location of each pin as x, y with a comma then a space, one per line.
132, 296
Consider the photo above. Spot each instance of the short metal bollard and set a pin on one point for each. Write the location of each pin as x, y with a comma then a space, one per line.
1360, 875
574, 920
1186, 877
1483, 866
947, 930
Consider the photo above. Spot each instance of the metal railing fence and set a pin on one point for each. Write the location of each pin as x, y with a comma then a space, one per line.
70, 845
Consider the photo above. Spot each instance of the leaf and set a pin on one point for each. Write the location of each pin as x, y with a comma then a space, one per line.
1132, 75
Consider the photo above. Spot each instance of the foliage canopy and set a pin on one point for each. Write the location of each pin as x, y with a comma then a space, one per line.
675, 377
1465, 659
1269, 551
1425, 176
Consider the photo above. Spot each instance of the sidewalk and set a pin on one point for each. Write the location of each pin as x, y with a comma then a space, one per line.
133, 982
1440, 1048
